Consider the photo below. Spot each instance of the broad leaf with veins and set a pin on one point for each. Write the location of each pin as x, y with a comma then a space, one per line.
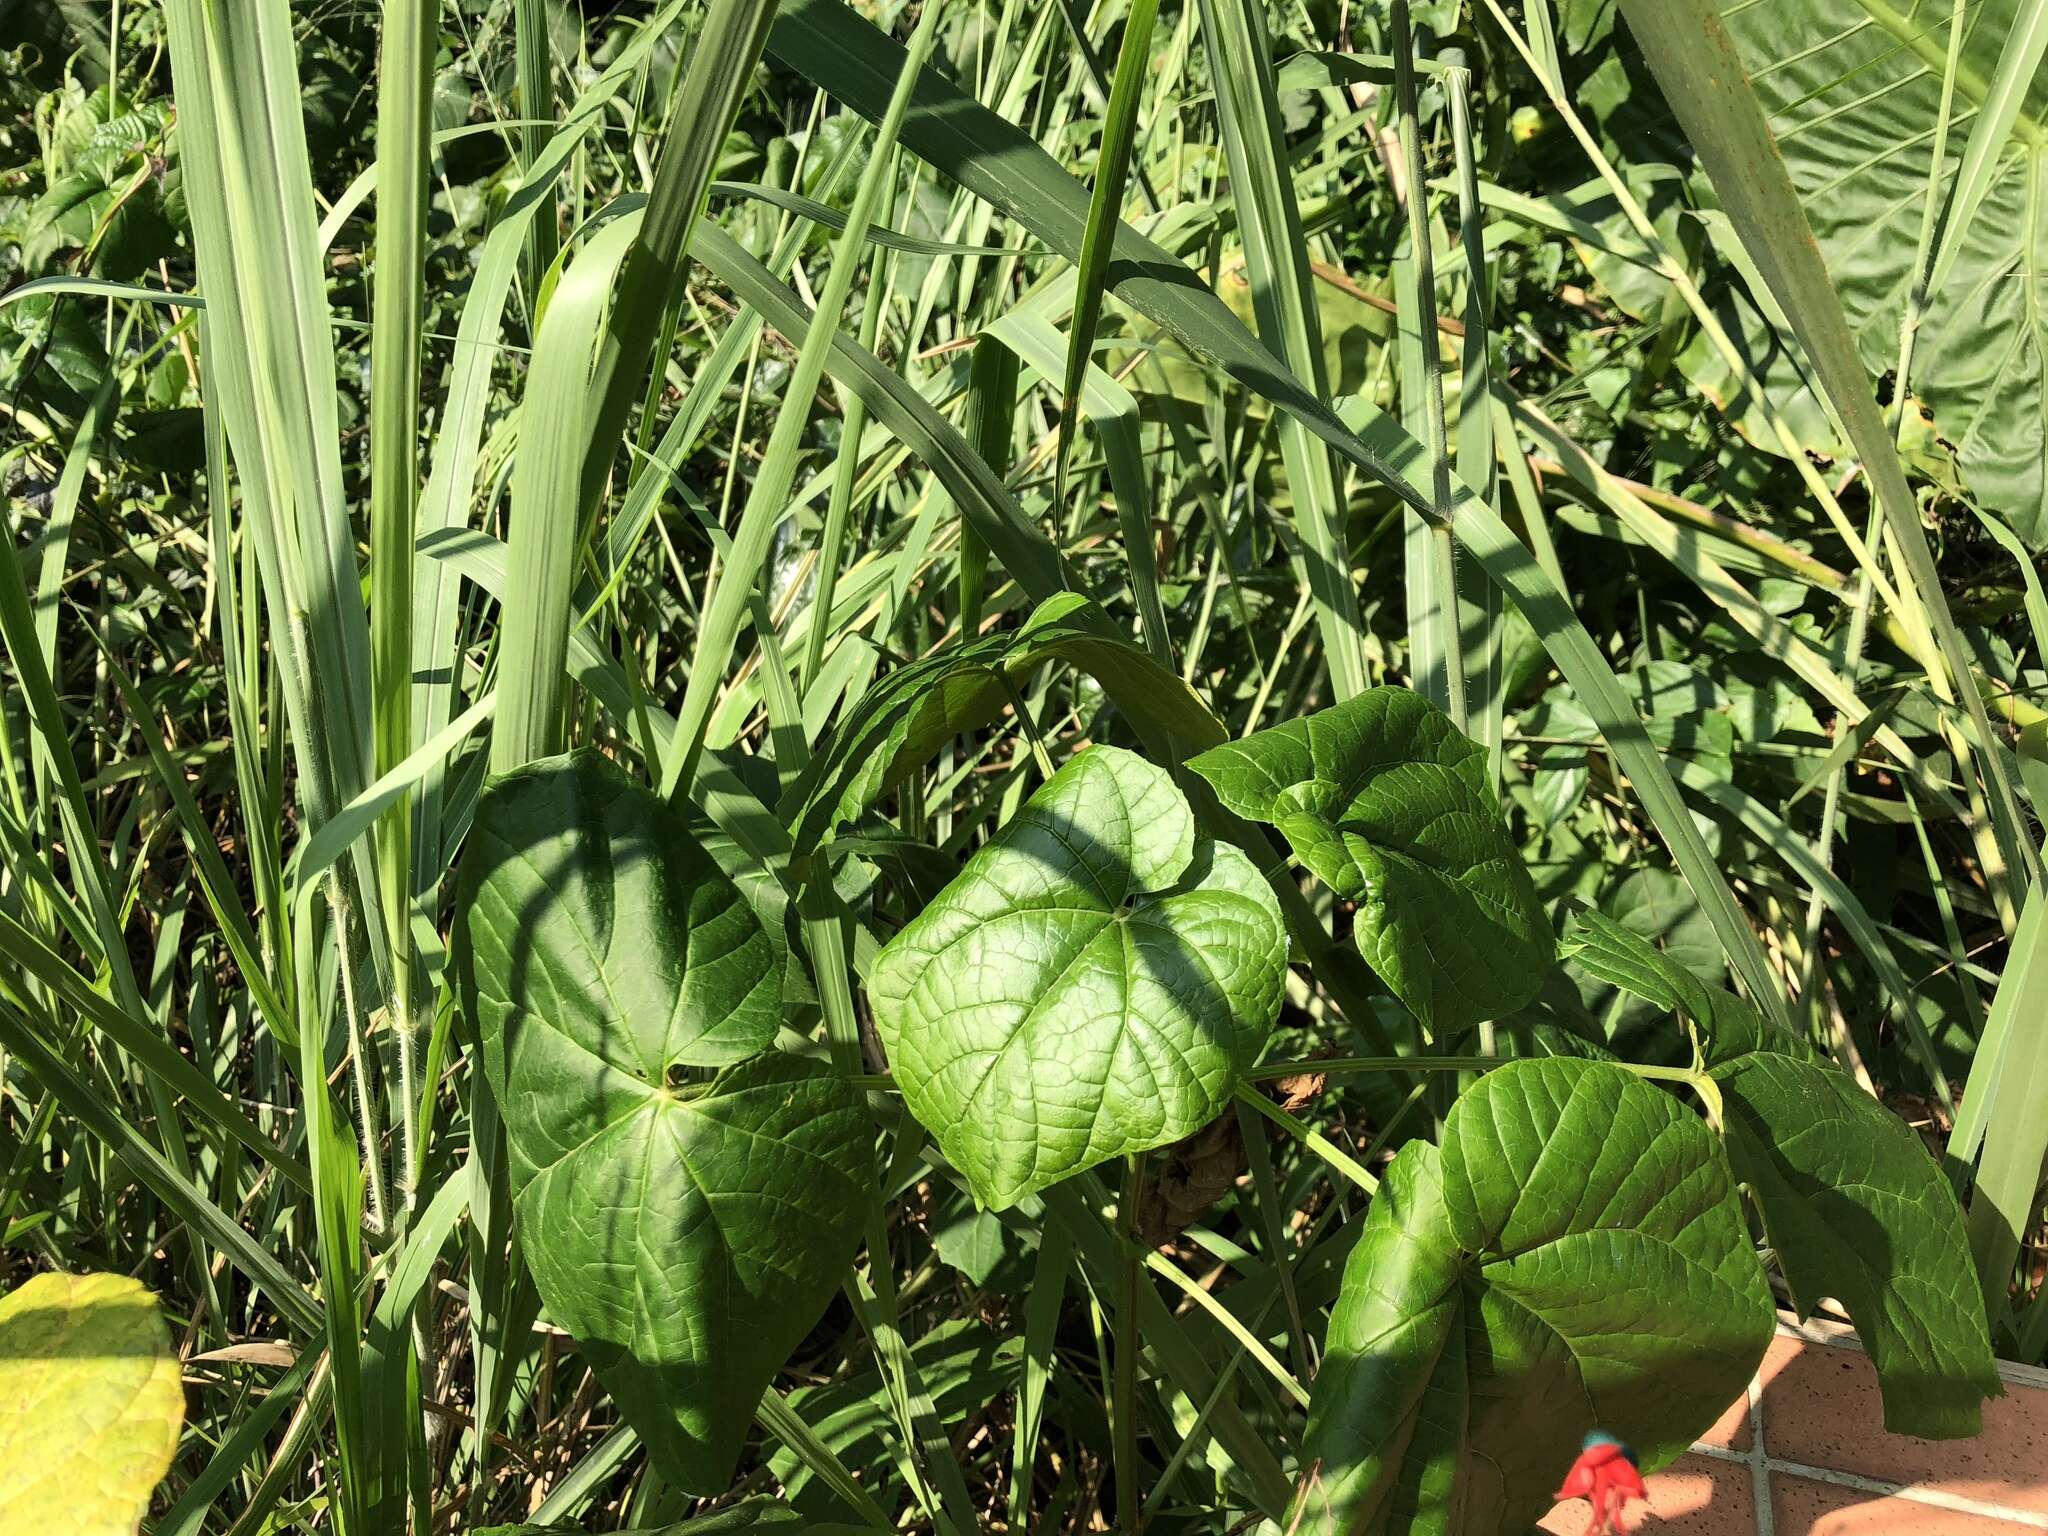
1853, 90
1387, 803
1855, 1207
687, 1198
91, 1404
1572, 1257
1093, 983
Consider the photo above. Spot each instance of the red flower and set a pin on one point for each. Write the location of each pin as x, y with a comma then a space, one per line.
1605, 1476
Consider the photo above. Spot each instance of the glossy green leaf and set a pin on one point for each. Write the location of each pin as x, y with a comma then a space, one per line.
1573, 1256
91, 1403
1387, 803
1854, 1205
686, 1225
1093, 983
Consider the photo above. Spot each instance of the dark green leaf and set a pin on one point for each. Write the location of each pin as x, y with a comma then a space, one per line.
1854, 1205
1573, 1257
1387, 803
688, 1231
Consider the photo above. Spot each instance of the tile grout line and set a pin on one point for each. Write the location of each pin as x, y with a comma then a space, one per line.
1759, 1469
1762, 1464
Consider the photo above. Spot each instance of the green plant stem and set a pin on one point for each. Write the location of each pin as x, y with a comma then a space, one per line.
404, 122
1690, 51
1105, 207
1314, 1140
853, 422
991, 412
1189, 1287
534, 62
1129, 1344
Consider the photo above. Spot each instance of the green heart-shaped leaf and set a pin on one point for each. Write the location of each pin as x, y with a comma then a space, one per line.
1573, 1257
91, 1403
1387, 803
1092, 984
1855, 1206
687, 1232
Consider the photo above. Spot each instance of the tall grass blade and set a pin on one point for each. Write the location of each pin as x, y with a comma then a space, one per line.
534, 61
1105, 212
1435, 638
2019, 62
721, 69
1276, 260
404, 122
768, 495
2008, 1085
559, 407
1703, 77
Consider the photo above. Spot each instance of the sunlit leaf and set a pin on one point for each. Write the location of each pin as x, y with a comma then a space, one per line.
1573, 1257
91, 1402
1093, 984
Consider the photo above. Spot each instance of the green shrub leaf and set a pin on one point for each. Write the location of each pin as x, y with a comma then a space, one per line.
1572, 1257
1854, 1205
688, 1232
1092, 984
90, 1404
1387, 803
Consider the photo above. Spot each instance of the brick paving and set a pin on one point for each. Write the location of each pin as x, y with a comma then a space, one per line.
1806, 1454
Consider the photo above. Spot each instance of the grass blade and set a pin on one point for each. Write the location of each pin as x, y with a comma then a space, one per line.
768, 496
541, 559
1105, 209
404, 122
1276, 258
1696, 62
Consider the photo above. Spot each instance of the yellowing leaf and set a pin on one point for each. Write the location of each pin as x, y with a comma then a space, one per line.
90, 1405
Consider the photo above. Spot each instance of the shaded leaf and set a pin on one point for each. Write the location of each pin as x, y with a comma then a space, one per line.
1854, 1206
687, 1228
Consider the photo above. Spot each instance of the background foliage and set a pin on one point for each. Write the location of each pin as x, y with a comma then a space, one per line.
848, 530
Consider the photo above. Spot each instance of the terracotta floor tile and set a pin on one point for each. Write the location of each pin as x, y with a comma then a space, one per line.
1822, 1409
1731, 1430
1694, 1496
1800, 1507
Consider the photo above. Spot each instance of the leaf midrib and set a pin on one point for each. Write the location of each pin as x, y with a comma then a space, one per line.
1935, 55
